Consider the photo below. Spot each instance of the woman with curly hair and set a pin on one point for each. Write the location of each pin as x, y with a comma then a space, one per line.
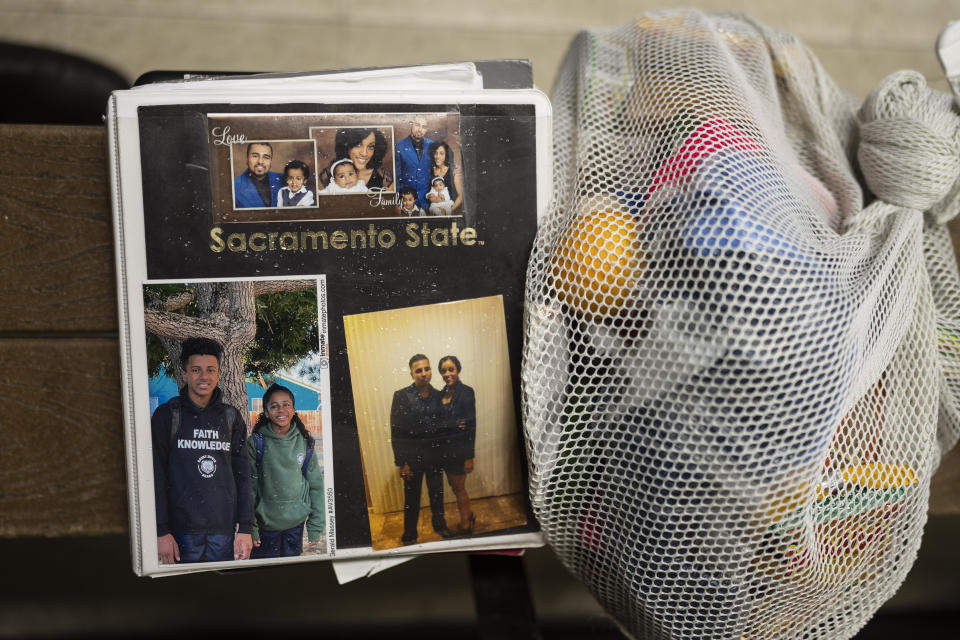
366, 147
458, 422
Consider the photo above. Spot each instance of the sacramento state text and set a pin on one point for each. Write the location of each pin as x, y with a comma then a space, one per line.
414, 234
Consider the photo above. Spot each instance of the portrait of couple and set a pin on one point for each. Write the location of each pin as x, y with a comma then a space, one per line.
433, 434
436, 422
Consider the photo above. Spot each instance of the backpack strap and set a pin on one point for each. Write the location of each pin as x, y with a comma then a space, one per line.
230, 413
258, 445
308, 456
174, 404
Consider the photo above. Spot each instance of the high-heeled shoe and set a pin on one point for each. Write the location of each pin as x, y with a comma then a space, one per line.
466, 531
446, 533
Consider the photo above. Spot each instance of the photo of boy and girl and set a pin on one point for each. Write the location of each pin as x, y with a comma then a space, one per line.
347, 160
463, 432
225, 491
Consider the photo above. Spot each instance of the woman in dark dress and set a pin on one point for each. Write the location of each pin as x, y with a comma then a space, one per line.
366, 148
458, 414
443, 166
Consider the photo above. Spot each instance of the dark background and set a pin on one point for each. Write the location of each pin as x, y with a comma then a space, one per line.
83, 587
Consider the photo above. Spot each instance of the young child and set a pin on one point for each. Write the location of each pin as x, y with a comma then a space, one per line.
444, 205
344, 178
296, 193
287, 481
408, 203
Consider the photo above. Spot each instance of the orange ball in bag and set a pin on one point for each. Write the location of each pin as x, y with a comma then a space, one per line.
597, 263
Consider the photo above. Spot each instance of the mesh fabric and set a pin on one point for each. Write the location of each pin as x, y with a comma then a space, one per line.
741, 365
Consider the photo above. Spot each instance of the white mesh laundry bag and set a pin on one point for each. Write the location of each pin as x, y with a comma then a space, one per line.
742, 349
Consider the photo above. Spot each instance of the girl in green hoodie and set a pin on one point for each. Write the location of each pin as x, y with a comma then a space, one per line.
287, 481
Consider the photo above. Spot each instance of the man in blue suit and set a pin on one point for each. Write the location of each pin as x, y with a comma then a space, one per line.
257, 186
413, 161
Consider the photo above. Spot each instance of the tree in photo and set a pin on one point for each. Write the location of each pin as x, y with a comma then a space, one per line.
263, 326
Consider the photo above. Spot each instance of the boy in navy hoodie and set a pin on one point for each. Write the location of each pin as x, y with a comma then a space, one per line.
200, 467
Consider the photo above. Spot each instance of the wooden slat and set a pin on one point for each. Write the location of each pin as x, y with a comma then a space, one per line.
61, 458
56, 256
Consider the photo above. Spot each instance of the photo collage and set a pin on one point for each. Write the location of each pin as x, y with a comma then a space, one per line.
335, 166
324, 329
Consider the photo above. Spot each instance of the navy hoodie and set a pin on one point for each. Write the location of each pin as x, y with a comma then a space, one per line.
202, 483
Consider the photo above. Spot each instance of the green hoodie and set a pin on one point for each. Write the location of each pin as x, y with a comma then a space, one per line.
283, 498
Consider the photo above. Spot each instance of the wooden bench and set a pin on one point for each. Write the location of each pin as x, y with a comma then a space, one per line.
61, 453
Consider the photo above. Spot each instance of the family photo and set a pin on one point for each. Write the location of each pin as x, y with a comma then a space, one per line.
436, 420
288, 167
429, 176
236, 404
354, 159
274, 174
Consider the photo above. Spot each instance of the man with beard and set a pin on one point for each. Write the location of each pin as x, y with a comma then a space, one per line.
413, 161
414, 430
257, 187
